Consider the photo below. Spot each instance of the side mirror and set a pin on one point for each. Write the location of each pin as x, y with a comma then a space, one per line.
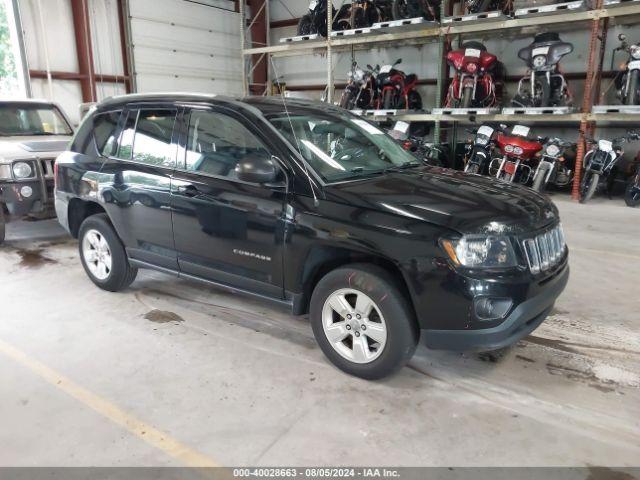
622, 37
257, 168
398, 62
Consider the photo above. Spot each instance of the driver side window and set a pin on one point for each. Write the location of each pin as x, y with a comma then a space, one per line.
217, 142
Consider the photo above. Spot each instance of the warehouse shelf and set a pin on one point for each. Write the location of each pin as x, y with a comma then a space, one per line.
431, 32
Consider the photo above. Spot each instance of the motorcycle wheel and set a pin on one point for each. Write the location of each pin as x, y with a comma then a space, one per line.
588, 186
483, 6
632, 193
2, 224
632, 94
472, 168
402, 9
467, 97
539, 183
414, 100
544, 94
305, 25
346, 101
387, 100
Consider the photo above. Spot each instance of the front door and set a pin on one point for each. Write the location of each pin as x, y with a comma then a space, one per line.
226, 230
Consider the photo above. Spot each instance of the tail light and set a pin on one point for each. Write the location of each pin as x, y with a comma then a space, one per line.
471, 67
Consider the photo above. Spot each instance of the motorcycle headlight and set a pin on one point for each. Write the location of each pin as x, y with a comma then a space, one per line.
508, 148
482, 139
635, 52
552, 150
480, 251
22, 170
539, 61
518, 150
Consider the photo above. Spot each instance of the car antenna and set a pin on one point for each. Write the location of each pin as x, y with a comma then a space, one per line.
316, 203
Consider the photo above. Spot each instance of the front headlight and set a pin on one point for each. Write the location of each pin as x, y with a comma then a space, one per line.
22, 170
539, 61
480, 251
635, 52
553, 150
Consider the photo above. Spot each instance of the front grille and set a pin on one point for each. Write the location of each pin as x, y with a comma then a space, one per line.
545, 250
47, 167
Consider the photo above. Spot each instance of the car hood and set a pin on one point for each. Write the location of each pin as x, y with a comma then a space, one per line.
23, 148
462, 202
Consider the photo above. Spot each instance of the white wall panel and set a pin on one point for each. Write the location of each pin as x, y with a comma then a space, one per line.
181, 45
66, 93
105, 37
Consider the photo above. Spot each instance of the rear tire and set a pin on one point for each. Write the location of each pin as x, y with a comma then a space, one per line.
588, 186
2, 224
387, 100
351, 288
632, 94
103, 255
472, 168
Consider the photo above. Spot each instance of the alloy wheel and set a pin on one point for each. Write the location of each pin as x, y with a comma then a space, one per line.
354, 325
97, 254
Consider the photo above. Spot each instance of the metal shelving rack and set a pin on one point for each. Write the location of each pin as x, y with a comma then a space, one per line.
595, 20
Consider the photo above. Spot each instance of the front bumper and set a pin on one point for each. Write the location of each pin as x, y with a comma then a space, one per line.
523, 319
39, 202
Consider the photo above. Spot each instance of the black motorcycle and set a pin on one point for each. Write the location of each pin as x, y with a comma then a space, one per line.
403, 9
478, 152
599, 164
544, 86
361, 90
479, 6
556, 165
315, 22
627, 81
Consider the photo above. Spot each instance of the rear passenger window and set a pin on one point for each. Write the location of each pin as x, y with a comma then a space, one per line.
104, 132
152, 142
217, 142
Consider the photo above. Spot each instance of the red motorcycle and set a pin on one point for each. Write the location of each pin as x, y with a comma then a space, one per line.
518, 152
397, 90
473, 84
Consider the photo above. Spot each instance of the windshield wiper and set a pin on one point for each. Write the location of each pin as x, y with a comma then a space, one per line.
402, 166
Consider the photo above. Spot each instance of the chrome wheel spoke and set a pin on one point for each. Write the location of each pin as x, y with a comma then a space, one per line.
361, 352
337, 332
340, 305
376, 332
97, 254
363, 305
91, 256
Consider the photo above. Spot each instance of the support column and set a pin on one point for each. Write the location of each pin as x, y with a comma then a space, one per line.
330, 86
84, 49
259, 31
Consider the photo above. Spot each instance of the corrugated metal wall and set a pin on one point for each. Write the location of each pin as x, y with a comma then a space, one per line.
186, 46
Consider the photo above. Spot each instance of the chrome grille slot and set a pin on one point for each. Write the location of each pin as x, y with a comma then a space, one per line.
47, 167
545, 250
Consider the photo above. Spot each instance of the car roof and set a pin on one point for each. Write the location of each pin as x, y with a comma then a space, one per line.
30, 101
255, 104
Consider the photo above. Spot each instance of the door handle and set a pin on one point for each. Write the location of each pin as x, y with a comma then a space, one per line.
188, 190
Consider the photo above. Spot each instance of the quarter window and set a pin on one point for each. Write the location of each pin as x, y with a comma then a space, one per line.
217, 142
104, 132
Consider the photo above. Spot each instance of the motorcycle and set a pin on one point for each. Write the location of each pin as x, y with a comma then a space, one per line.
628, 80
360, 91
545, 85
479, 6
358, 14
403, 9
411, 137
316, 20
632, 192
397, 90
517, 151
478, 154
473, 84
553, 167
599, 163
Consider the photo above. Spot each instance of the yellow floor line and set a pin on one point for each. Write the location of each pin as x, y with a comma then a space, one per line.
154, 437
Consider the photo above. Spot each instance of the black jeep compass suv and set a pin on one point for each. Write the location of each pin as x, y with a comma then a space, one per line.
309, 206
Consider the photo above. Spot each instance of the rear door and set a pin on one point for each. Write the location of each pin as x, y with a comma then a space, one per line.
226, 230
136, 183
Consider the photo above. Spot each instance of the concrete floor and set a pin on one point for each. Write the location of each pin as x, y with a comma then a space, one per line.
173, 373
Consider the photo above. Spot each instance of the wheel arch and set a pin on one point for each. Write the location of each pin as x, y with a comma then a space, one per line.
322, 260
79, 210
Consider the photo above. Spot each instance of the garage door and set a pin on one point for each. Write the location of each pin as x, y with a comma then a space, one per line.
183, 45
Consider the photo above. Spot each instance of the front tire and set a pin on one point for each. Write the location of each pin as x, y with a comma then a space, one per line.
539, 182
467, 97
362, 322
103, 255
632, 193
305, 25
588, 186
632, 94
472, 168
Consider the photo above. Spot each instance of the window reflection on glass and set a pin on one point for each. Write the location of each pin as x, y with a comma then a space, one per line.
29, 120
217, 142
104, 131
152, 140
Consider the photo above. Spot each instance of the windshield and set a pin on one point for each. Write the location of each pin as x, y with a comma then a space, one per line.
340, 146
26, 120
